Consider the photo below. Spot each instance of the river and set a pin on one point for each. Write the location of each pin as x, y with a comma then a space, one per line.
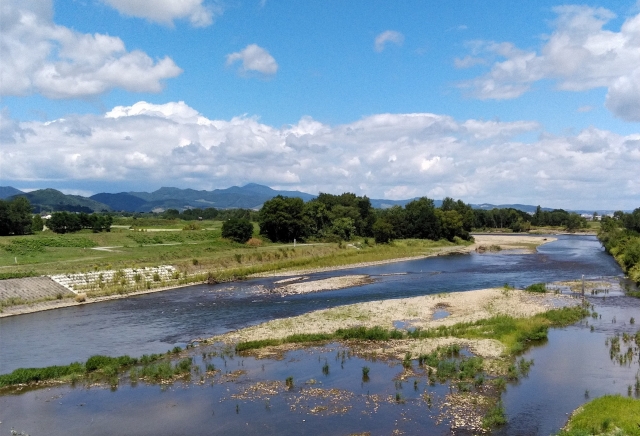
154, 323
573, 366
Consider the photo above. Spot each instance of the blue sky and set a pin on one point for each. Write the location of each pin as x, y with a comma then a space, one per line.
529, 102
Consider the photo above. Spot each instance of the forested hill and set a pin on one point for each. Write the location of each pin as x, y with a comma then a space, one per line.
8, 191
250, 196
51, 200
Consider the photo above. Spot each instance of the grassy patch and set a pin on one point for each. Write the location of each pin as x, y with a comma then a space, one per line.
17, 275
537, 287
94, 367
605, 415
163, 370
359, 333
494, 417
515, 333
124, 248
34, 375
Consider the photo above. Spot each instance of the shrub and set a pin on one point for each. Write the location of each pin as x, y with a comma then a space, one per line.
237, 229
495, 416
102, 362
537, 287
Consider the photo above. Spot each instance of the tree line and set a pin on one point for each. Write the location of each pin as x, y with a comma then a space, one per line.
341, 217
519, 221
65, 222
620, 236
210, 213
17, 218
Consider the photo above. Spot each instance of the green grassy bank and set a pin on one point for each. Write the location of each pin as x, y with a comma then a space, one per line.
608, 415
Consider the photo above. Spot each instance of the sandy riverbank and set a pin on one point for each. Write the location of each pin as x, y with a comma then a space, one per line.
412, 312
329, 284
505, 242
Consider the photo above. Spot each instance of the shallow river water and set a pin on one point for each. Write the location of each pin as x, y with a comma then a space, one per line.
154, 323
249, 396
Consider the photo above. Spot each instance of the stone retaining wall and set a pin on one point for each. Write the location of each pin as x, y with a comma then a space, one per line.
78, 282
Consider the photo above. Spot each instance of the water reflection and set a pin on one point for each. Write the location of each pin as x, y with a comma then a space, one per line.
156, 322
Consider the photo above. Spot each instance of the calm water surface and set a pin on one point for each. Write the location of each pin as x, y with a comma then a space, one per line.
573, 366
154, 323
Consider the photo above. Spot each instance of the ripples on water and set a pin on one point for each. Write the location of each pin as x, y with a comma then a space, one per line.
572, 365
154, 323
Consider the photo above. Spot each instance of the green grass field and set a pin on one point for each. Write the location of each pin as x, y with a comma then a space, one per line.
193, 252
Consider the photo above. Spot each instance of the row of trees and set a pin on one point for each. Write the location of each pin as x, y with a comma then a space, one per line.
16, 218
620, 236
210, 213
65, 222
422, 220
341, 217
519, 221
328, 217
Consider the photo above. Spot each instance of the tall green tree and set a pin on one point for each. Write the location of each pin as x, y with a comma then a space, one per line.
37, 224
20, 216
451, 224
5, 222
237, 229
382, 231
64, 222
421, 220
281, 219
15, 216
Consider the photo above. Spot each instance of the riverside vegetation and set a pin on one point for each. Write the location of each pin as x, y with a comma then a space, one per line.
620, 236
468, 376
610, 414
198, 249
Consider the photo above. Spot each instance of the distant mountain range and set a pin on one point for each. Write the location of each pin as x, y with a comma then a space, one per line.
250, 196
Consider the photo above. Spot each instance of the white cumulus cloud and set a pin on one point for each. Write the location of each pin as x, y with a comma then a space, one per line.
580, 54
39, 56
166, 11
254, 58
386, 37
396, 155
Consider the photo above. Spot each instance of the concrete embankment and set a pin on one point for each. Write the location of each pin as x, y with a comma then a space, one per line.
32, 289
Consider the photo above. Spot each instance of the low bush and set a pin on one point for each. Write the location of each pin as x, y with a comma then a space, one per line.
98, 361
537, 287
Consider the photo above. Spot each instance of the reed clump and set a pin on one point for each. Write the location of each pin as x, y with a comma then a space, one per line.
95, 367
353, 333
